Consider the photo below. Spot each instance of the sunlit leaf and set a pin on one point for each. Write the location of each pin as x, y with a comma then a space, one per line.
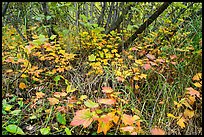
70, 89
157, 131
7, 107
91, 104
82, 117
82, 97
151, 57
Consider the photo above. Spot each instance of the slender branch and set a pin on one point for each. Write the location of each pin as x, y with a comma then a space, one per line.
5, 9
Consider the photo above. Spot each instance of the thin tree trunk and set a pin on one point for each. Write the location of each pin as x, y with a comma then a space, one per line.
144, 26
101, 17
116, 24
5, 9
109, 15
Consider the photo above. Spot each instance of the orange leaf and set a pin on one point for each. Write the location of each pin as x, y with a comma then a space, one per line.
146, 66
128, 128
107, 101
53, 101
173, 57
127, 119
107, 89
22, 85
40, 94
157, 131
104, 124
82, 117
193, 92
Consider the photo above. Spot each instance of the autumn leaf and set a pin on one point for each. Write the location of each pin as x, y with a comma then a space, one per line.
107, 89
157, 131
146, 66
188, 113
82, 117
151, 57
173, 57
107, 101
40, 94
171, 115
127, 128
127, 119
193, 92
91, 104
22, 85
53, 101
104, 124
197, 84
197, 76
181, 122
61, 109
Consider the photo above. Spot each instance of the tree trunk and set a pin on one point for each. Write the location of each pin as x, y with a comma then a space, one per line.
144, 26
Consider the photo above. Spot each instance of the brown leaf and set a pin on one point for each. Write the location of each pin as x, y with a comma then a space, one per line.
157, 131
127, 128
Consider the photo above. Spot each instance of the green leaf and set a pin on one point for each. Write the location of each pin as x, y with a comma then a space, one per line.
57, 78
90, 104
15, 112
53, 37
15, 129
61, 119
68, 132
45, 131
7, 107
92, 57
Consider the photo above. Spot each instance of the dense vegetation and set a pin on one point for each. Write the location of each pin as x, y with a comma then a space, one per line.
114, 68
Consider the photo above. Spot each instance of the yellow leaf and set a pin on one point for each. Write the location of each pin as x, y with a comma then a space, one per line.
181, 122
197, 84
143, 76
197, 76
188, 113
171, 115
178, 105
22, 85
